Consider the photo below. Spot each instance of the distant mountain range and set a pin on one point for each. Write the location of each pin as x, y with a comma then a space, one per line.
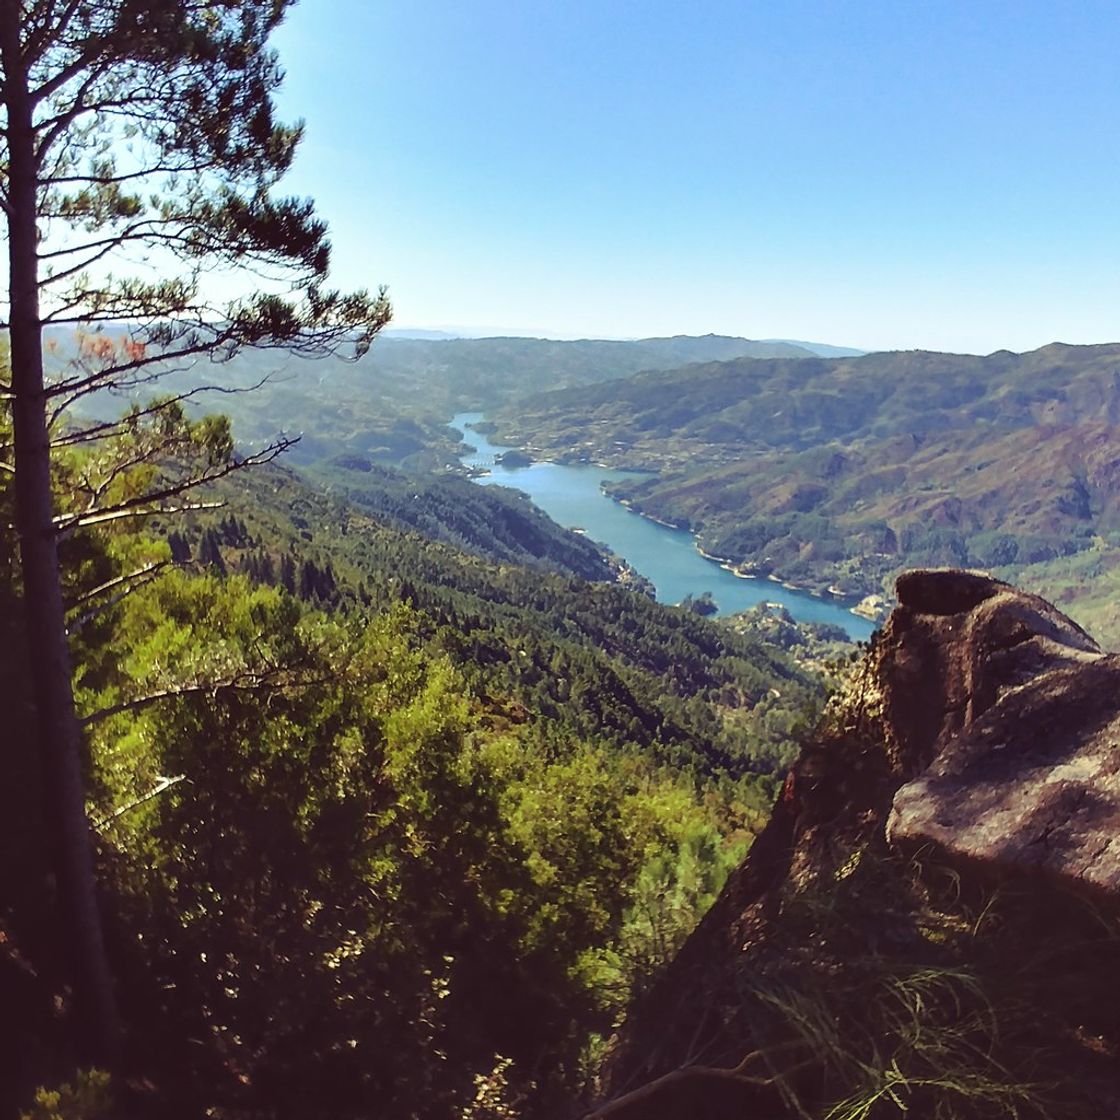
839, 472
418, 333
822, 349
393, 404
829, 472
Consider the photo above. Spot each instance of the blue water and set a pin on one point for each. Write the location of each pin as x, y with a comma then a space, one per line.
571, 496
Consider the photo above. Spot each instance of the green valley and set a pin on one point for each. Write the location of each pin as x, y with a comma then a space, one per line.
393, 403
410, 718
836, 474
414, 777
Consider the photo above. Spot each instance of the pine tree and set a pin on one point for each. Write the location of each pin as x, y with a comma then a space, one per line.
180, 549
210, 552
267, 572
136, 127
288, 573
308, 580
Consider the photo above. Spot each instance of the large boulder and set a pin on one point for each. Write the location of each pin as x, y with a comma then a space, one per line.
931, 917
1012, 714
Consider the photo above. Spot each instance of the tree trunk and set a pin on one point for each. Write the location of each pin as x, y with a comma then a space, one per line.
59, 737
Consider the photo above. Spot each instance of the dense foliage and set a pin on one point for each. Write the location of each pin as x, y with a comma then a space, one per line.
383, 826
495, 522
133, 133
593, 655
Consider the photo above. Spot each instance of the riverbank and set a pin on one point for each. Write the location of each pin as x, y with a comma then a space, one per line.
669, 556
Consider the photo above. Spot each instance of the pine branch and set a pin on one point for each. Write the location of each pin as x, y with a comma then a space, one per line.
146, 232
128, 176
111, 428
98, 379
57, 126
50, 32
142, 505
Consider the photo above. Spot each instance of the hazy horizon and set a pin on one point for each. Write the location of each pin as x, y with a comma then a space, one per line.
475, 333
875, 175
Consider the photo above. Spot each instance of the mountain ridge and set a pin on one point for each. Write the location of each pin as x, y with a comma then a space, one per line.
838, 473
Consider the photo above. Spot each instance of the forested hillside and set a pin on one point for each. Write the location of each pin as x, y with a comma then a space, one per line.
382, 823
668, 671
392, 405
495, 522
838, 473
457, 374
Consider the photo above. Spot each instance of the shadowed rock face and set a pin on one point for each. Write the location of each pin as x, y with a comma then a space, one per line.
1013, 715
978, 744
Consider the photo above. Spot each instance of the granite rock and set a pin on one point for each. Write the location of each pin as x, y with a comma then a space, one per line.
1005, 716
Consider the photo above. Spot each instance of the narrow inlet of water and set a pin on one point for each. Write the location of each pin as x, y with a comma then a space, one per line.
571, 496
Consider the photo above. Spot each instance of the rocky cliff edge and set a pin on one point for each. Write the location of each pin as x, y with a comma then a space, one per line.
928, 925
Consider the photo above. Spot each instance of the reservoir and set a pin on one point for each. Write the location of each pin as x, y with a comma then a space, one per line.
570, 495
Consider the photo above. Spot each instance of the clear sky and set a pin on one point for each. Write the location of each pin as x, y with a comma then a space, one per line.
873, 173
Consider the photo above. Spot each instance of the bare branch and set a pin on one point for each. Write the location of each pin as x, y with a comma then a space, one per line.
114, 427
163, 448
114, 372
118, 514
82, 265
143, 505
97, 385
161, 786
132, 582
248, 680
117, 581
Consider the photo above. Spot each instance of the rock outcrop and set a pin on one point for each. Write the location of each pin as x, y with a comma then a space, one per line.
1018, 712
952, 830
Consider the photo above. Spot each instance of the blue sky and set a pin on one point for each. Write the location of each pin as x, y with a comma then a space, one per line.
897, 174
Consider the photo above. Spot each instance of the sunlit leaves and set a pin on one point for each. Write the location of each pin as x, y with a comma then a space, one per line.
354, 869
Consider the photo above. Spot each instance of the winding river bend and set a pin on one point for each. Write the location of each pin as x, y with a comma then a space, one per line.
571, 496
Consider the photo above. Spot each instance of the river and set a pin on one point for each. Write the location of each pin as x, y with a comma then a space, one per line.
668, 557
